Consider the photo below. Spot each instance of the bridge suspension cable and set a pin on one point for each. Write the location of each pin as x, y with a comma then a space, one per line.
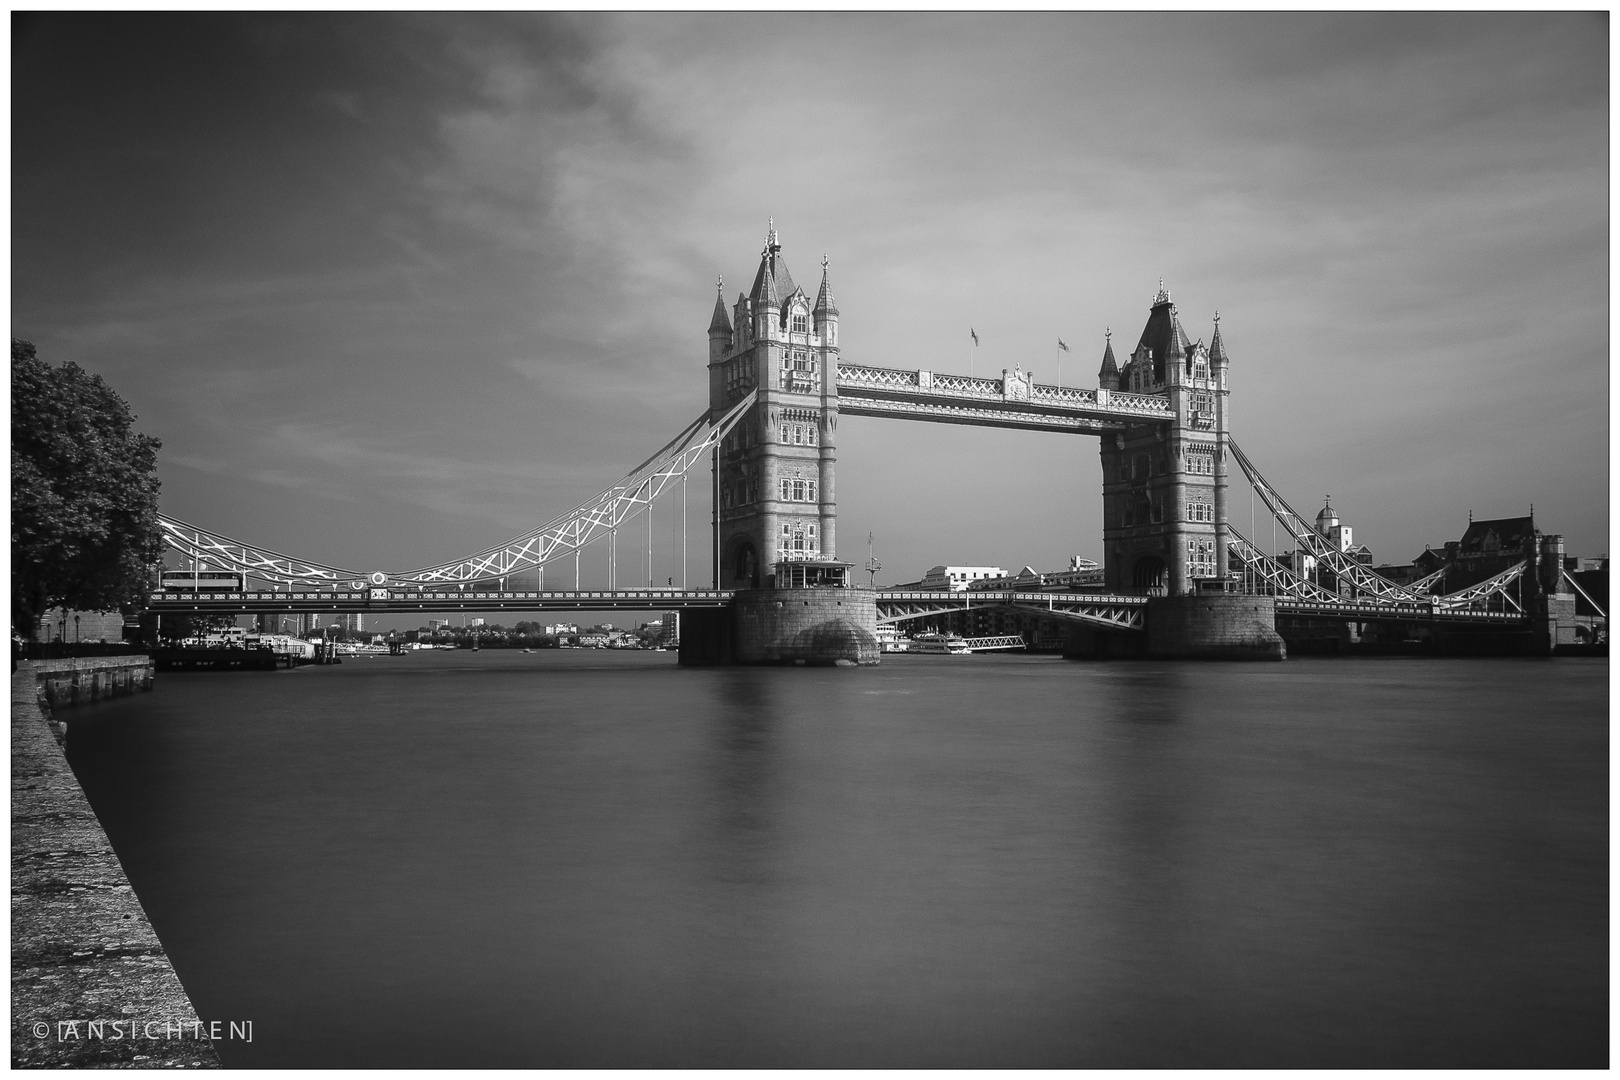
1318, 546
1279, 580
1285, 582
559, 537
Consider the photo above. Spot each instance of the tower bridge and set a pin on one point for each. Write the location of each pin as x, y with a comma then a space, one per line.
1178, 579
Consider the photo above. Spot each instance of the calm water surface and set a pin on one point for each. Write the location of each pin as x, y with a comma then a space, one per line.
577, 858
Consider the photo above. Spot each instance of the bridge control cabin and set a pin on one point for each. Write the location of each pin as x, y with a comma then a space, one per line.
813, 574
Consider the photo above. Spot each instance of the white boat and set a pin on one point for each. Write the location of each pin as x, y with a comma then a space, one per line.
953, 644
891, 640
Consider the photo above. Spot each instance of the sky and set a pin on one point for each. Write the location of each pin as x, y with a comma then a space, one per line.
392, 289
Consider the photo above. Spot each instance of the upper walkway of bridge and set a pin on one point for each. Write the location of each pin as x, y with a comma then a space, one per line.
1015, 401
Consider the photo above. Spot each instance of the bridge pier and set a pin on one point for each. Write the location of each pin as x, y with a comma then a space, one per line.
785, 626
1214, 626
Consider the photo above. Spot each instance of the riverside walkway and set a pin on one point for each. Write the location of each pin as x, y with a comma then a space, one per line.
90, 983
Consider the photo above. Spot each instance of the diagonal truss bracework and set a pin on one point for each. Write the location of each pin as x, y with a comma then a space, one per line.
1318, 546
1284, 582
1484, 590
1095, 609
1278, 579
561, 536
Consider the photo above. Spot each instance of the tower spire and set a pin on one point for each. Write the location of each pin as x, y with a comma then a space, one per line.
825, 304
1217, 348
1108, 376
721, 322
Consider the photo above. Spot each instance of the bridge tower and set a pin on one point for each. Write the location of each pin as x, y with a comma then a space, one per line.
1164, 484
774, 473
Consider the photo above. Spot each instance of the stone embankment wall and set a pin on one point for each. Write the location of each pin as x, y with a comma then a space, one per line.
64, 683
83, 952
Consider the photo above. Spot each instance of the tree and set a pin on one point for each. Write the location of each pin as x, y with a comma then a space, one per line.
84, 494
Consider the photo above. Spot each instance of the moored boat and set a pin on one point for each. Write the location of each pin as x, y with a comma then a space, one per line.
952, 644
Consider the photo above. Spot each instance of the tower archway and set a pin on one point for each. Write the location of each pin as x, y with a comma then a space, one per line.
1150, 574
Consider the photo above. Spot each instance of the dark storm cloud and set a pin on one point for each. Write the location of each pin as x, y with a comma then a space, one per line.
448, 275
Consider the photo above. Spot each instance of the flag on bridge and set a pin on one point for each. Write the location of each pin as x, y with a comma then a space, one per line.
975, 335
1062, 346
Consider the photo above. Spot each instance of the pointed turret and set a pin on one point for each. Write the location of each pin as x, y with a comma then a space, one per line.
1108, 377
1217, 348
1177, 349
721, 323
1163, 339
720, 337
772, 284
824, 299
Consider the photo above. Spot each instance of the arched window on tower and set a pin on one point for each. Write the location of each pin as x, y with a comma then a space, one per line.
800, 323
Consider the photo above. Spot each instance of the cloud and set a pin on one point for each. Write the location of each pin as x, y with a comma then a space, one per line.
448, 266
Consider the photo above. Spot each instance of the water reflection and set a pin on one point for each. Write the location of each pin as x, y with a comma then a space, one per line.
742, 768
1002, 861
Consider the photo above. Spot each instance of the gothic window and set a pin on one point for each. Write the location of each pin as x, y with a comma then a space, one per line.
810, 492
1139, 467
798, 491
799, 325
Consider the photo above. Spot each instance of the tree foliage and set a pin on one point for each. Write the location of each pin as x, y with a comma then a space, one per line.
84, 493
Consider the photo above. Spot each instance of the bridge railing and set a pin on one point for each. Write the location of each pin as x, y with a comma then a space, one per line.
972, 388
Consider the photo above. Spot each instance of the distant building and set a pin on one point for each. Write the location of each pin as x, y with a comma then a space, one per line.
560, 629
64, 625
436, 625
672, 628
958, 578
1493, 545
1299, 562
1487, 548
1025, 580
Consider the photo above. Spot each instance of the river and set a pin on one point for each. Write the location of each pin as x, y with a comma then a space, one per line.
585, 858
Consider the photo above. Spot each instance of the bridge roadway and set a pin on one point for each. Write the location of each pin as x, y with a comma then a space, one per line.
1105, 610
1096, 609
1375, 611
377, 601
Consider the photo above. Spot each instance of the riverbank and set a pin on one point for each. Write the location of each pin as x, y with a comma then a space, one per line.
90, 982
